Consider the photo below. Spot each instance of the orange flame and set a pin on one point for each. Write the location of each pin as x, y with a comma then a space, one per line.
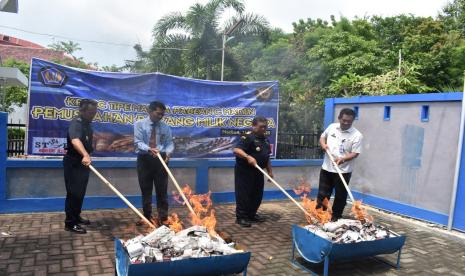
209, 221
187, 191
174, 222
317, 215
320, 215
202, 205
204, 214
360, 213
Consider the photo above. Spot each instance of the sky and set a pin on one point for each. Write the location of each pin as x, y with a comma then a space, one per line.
122, 23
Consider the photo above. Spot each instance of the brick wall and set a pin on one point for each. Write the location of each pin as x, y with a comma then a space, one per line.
26, 54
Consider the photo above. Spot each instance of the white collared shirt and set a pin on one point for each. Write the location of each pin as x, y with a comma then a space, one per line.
340, 143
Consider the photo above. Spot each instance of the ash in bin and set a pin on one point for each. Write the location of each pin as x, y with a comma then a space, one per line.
350, 231
163, 244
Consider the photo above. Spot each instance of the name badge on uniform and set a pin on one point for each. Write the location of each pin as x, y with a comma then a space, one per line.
87, 138
258, 149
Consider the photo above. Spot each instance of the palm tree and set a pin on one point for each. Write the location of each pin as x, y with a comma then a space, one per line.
190, 44
69, 47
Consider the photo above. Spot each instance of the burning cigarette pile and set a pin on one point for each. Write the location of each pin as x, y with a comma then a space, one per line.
349, 231
343, 230
164, 244
173, 243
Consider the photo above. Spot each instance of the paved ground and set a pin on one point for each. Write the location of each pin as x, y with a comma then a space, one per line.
38, 245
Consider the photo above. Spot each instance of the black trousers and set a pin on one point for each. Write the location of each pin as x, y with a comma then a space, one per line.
248, 183
151, 172
331, 181
76, 179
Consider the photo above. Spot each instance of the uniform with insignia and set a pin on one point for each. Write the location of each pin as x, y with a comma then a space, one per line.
76, 174
249, 181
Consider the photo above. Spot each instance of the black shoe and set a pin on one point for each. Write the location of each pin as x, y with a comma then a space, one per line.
257, 219
78, 229
243, 223
82, 220
164, 221
334, 219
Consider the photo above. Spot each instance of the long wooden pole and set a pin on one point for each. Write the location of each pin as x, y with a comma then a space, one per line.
282, 189
176, 185
340, 175
121, 196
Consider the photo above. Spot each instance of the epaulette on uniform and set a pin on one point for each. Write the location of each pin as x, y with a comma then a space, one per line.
243, 137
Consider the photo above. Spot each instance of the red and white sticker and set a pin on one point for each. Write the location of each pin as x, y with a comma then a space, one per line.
48, 145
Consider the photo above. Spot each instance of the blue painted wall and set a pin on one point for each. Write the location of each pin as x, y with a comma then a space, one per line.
3, 147
412, 157
12, 205
459, 210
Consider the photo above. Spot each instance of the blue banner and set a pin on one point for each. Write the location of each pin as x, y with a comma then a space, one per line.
206, 117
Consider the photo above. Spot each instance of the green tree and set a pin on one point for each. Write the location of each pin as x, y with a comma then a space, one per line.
339, 52
277, 60
190, 44
14, 95
241, 53
78, 63
112, 68
383, 84
318, 59
282, 61
69, 47
453, 15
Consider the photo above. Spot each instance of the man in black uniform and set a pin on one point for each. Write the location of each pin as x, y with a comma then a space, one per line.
253, 149
75, 164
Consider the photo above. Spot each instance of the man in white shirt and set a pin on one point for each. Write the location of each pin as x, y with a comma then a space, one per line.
344, 143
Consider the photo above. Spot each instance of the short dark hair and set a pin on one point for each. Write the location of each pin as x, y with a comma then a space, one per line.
346, 111
156, 104
85, 103
259, 119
